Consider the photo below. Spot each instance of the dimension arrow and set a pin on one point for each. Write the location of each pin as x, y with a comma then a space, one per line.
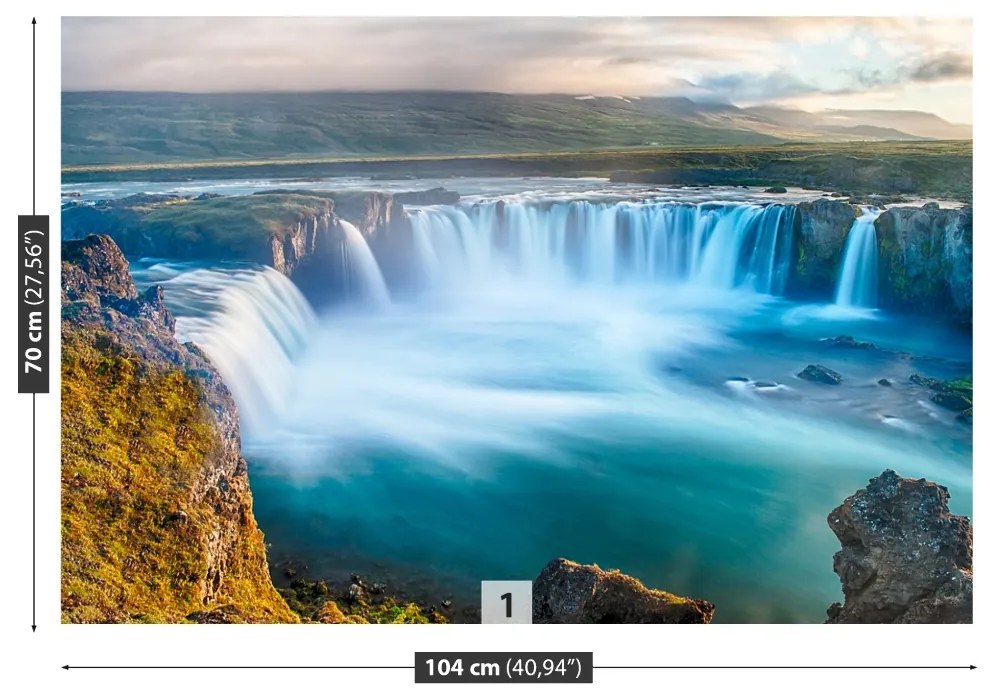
34, 396
663, 668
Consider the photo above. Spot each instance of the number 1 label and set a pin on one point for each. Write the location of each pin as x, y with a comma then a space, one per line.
506, 602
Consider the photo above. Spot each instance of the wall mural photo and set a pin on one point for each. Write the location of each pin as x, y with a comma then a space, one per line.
350, 327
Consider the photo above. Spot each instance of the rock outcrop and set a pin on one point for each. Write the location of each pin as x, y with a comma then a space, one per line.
566, 592
905, 558
926, 261
821, 230
277, 228
157, 522
297, 232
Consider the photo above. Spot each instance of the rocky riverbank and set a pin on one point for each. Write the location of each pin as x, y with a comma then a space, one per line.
157, 515
157, 522
297, 232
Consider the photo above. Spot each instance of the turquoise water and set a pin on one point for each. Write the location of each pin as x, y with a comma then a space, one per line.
612, 393
434, 446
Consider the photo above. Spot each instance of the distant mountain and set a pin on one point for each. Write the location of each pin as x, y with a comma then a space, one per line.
128, 127
913, 123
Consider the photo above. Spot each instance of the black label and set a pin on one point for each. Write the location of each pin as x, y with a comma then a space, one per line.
503, 667
32, 304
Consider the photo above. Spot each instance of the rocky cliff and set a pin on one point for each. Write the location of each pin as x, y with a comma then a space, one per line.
926, 261
277, 228
925, 256
157, 522
905, 558
297, 232
821, 227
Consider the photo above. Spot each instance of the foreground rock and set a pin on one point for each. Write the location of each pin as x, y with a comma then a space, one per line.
905, 558
820, 374
566, 592
157, 522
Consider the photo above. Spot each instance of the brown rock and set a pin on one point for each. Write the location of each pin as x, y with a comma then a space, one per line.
95, 266
566, 592
905, 558
330, 614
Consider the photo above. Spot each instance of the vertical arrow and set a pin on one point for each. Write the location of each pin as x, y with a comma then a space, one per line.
34, 397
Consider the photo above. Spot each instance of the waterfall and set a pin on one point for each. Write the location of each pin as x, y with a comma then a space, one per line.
363, 277
858, 275
253, 325
723, 245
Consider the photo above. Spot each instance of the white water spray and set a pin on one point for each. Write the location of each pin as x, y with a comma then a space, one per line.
254, 326
723, 245
364, 278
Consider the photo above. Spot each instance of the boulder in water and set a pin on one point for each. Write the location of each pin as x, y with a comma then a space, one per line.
847, 341
567, 592
775, 189
925, 381
821, 374
954, 395
954, 401
905, 558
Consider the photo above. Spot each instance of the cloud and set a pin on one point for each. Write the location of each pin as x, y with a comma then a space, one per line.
728, 58
859, 48
749, 87
629, 61
945, 66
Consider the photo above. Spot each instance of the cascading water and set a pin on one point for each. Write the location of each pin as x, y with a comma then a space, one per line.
253, 325
858, 276
721, 245
613, 387
364, 279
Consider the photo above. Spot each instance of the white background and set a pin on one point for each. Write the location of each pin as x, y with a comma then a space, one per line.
32, 661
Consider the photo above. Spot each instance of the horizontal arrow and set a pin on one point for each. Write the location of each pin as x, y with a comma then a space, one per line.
664, 668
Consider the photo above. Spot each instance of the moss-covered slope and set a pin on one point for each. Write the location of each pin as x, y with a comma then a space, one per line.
157, 523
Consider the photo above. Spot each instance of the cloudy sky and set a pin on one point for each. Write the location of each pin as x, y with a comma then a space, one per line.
810, 63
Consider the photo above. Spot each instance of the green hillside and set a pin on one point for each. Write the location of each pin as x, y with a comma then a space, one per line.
162, 127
